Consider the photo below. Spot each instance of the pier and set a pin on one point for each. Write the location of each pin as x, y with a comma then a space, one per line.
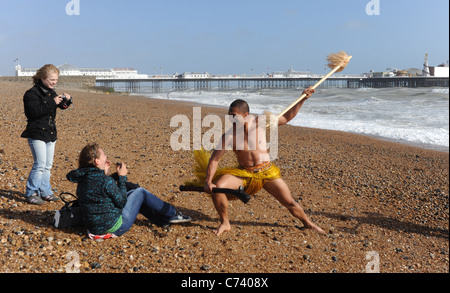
224, 83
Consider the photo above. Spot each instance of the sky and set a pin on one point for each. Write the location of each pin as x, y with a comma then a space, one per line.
223, 37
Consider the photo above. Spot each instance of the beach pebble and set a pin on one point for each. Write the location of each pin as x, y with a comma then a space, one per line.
95, 265
205, 267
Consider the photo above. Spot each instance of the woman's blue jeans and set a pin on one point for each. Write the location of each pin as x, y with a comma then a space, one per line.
153, 208
39, 178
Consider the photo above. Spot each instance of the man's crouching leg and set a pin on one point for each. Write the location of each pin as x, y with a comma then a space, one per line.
279, 189
221, 201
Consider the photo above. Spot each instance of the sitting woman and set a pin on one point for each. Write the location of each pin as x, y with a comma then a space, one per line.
107, 207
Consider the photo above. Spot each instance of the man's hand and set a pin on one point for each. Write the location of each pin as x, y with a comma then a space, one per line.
309, 92
209, 187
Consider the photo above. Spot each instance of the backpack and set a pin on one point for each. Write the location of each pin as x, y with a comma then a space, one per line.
69, 215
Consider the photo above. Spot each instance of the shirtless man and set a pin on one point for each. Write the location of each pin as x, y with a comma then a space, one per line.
251, 160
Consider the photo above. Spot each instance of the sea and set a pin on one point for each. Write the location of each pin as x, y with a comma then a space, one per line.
414, 116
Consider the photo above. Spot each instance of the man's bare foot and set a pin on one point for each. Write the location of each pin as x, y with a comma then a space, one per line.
224, 227
315, 228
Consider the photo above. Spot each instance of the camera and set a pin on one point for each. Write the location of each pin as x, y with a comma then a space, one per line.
65, 103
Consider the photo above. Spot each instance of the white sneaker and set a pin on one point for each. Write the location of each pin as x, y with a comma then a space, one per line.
180, 218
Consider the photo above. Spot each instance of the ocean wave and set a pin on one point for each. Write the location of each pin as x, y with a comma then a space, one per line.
413, 115
366, 89
431, 136
440, 91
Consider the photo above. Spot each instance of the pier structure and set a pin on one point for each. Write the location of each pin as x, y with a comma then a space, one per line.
268, 82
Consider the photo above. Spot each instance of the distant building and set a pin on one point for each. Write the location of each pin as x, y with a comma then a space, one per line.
70, 70
291, 73
426, 68
189, 75
431, 71
382, 74
414, 72
436, 71
439, 71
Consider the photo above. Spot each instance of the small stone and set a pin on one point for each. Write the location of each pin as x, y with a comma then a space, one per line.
205, 267
95, 265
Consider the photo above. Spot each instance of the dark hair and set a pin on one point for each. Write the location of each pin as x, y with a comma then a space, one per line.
241, 105
88, 155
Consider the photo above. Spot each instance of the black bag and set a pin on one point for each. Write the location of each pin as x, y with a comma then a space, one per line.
69, 215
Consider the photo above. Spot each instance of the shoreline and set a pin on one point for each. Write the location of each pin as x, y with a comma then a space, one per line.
438, 148
369, 195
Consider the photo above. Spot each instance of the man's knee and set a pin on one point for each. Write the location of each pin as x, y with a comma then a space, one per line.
222, 184
291, 205
227, 181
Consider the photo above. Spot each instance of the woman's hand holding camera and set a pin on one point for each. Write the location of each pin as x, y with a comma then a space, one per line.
61, 98
121, 169
58, 99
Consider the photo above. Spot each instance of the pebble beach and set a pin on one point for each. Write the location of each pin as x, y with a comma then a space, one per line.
378, 201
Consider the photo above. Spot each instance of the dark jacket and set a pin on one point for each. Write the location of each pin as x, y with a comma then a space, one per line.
40, 109
101, 198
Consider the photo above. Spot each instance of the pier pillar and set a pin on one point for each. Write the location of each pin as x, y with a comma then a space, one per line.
202, 85
243, 84
107, 84
132, 86
180, 85
157, 86
223, 85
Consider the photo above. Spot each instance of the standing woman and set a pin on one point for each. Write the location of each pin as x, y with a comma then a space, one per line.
40, 103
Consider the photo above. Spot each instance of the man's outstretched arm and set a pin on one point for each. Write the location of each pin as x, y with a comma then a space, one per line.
294, 111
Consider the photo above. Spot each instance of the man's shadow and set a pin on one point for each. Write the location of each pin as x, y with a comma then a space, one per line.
385, 222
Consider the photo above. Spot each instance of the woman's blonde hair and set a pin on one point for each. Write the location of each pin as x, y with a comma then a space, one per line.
44, 72
88, 155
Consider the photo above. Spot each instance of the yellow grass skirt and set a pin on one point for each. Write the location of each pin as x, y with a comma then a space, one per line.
253, 182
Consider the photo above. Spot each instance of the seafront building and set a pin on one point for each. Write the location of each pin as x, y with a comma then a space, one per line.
429, 76
70, 70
